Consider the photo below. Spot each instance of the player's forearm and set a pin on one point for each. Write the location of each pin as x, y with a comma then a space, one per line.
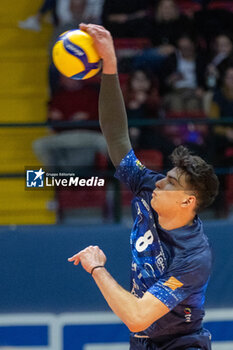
112, 115
123, 304
137, 313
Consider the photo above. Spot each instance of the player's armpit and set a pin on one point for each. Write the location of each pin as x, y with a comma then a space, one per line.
150, 309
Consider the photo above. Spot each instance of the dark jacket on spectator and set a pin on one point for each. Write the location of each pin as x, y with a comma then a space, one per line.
133, 25
211, 22
167, 32
170, 67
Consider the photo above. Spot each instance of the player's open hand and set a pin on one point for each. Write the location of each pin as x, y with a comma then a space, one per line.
103, 42
89, 258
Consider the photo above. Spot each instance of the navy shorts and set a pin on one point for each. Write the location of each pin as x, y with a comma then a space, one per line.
199, 340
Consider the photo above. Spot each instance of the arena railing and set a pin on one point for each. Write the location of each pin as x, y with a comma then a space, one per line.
134, 122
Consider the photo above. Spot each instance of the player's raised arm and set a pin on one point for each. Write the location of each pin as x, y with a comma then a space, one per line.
112, 113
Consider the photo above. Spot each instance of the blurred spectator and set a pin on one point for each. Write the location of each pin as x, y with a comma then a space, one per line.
166, 27
222, 54
222, 138
142, 101
74, 101
194, 136
182, 78
222, 106
34, 22
62, 13
183, 89
93, 11
70, 14
126, 18
141, 95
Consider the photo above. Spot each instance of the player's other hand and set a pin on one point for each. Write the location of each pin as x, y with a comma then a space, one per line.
103, 43
89, 257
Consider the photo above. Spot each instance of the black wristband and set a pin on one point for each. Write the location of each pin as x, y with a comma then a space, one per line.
96, 267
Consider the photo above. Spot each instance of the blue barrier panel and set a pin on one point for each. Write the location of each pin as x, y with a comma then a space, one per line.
36, 277
89, 331
220, 330
35, 274
24, 335
220, 289
76, 336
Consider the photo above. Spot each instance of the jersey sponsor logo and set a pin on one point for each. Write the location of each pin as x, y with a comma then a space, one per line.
173, 283
160, 262
187, 314
139, 164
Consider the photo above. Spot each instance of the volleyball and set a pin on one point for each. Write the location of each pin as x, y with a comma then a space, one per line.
75, 56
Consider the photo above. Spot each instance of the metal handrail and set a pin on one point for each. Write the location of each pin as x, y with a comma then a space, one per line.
132, 122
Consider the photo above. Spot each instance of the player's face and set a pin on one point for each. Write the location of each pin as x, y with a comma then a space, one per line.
170, 193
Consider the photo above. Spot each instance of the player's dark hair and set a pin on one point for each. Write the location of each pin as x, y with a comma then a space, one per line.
199, 175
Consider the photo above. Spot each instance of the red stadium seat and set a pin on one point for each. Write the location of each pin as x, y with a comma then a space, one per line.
185, 115
226, 5
77, 197
151, 158
123, 78
131, 43
188, 7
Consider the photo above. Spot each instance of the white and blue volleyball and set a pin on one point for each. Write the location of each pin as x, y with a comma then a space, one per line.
75, 56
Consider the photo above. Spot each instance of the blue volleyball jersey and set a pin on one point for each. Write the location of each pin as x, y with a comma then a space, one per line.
173, 265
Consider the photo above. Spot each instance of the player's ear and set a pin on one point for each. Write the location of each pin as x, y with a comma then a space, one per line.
189, 201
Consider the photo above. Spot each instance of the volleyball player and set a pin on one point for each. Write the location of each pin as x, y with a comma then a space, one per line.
171, 259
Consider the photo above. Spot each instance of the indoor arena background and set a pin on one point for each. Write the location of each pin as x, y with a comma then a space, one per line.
46, 303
